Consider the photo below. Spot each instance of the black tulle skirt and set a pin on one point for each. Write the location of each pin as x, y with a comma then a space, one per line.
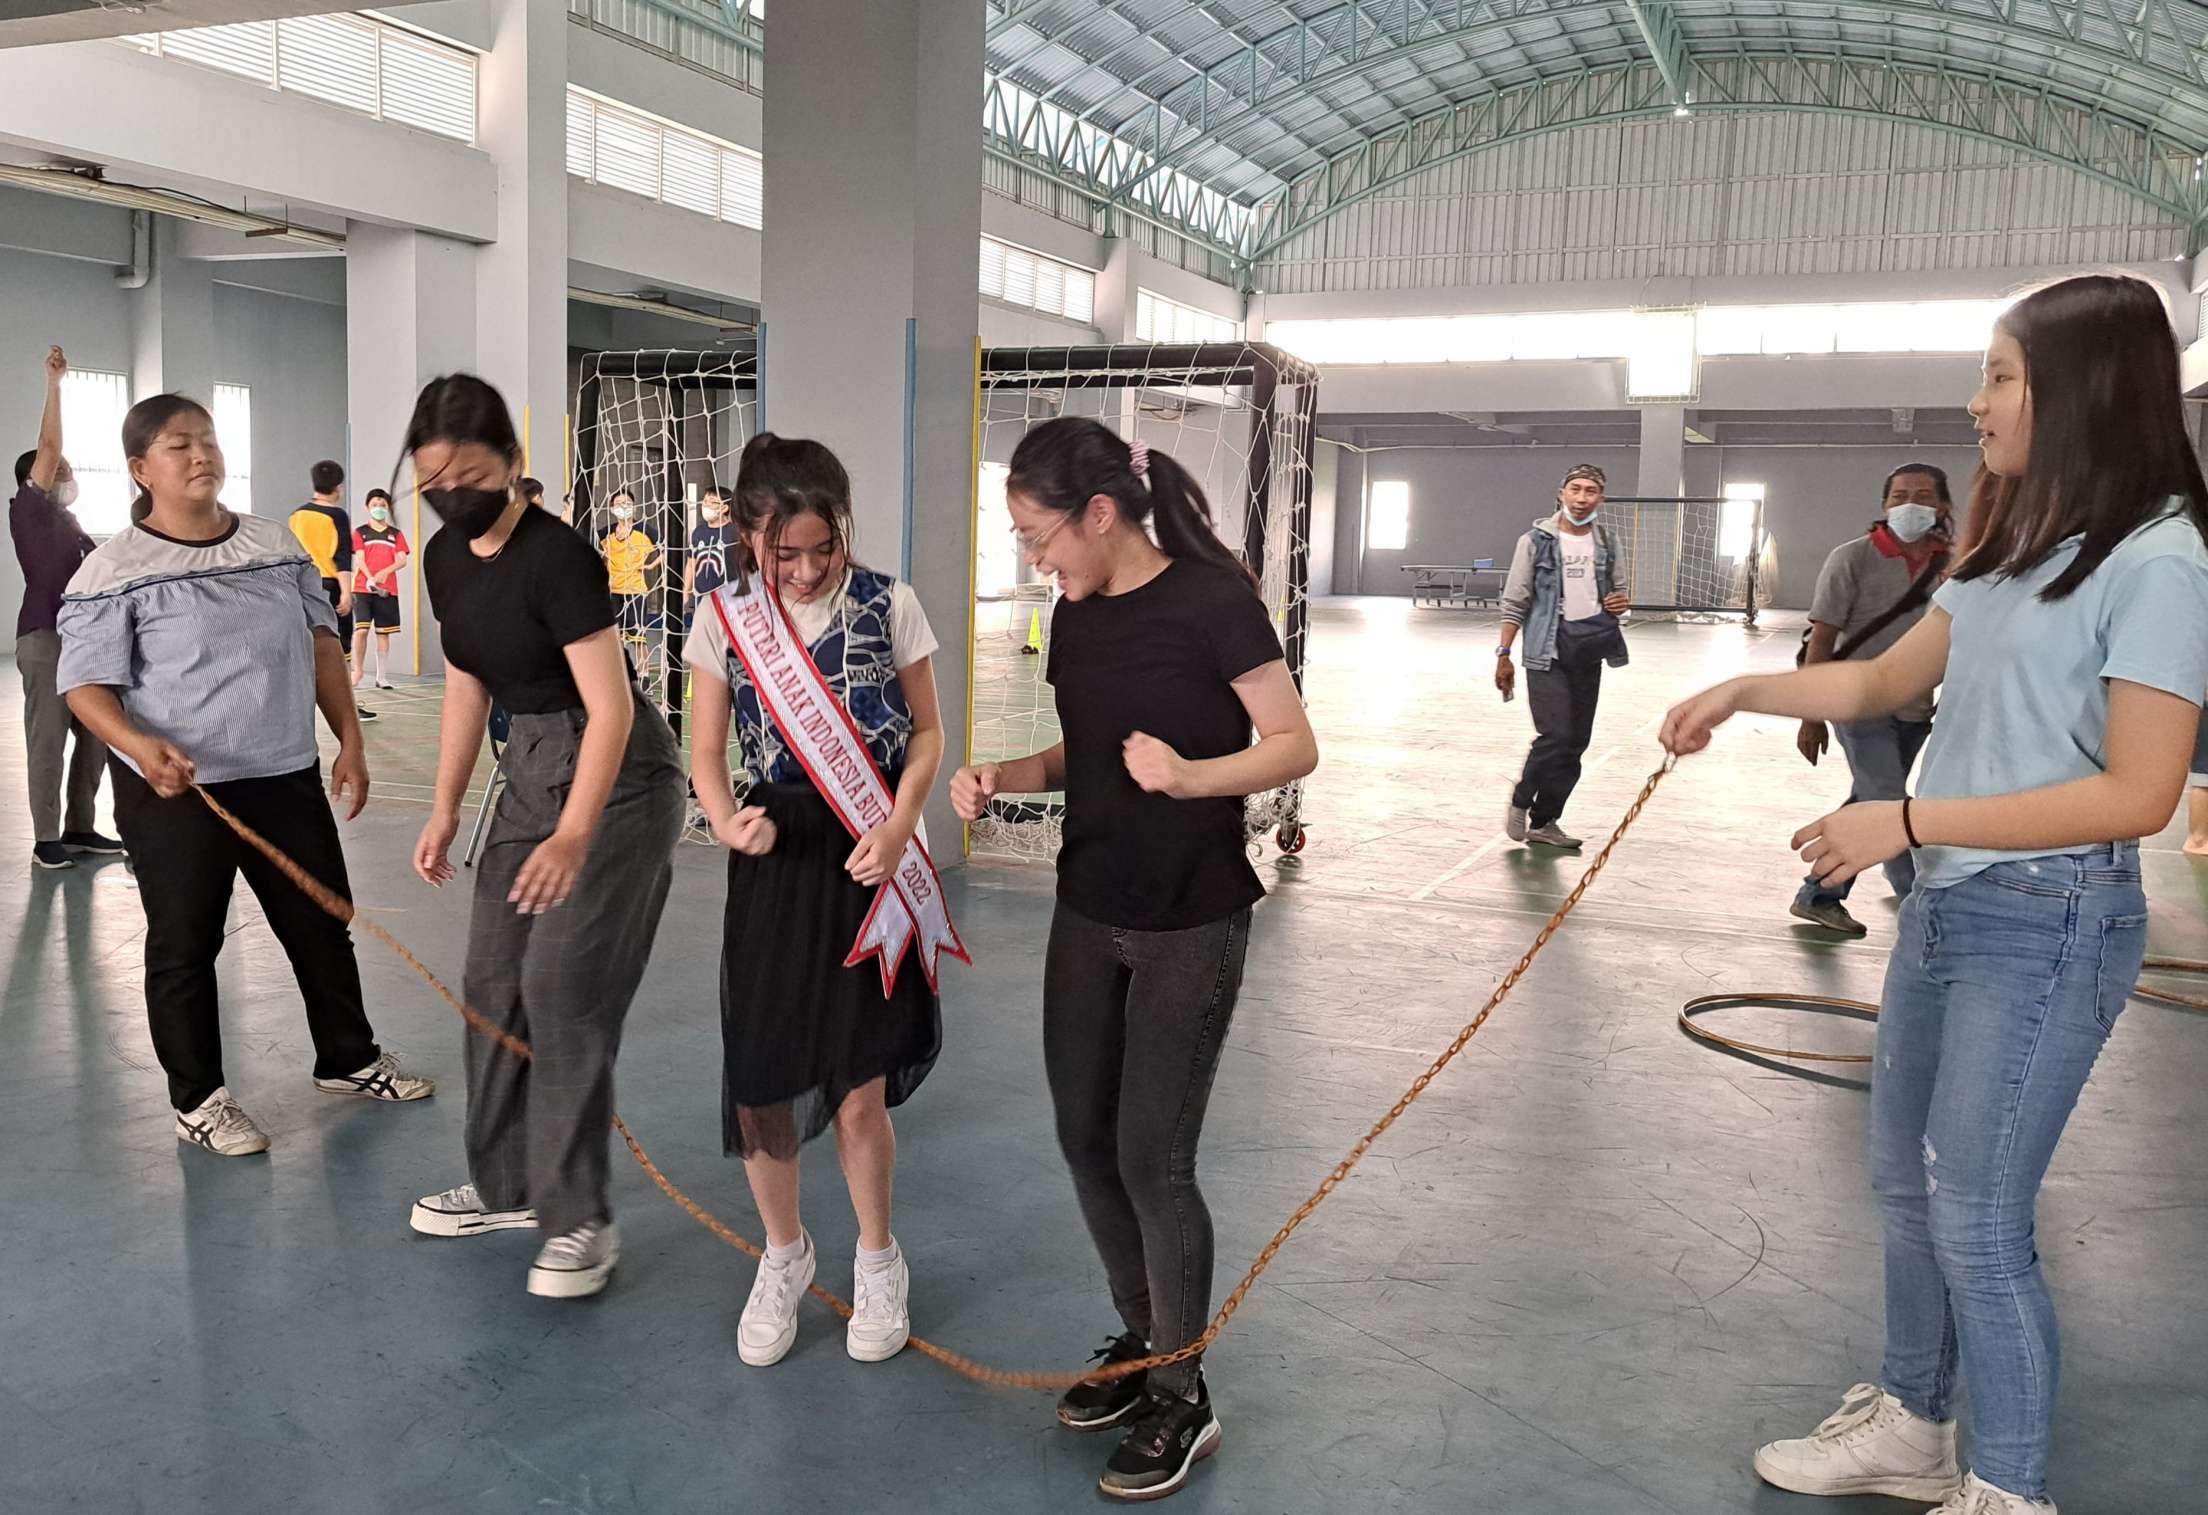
799, 1031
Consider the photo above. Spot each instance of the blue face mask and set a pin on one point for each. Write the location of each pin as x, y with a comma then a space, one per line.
1582, 520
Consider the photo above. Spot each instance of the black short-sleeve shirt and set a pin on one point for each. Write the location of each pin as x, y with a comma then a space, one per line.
509, 620
1160, 659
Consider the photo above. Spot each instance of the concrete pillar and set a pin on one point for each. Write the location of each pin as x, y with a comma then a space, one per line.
1116, 289
873, 227
410, 315
1663, 468
521, 279
172, 322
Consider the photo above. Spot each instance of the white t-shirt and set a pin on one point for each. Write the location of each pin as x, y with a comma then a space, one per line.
1576, 557
910, 636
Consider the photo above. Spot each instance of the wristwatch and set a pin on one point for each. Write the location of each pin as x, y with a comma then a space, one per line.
1502, 652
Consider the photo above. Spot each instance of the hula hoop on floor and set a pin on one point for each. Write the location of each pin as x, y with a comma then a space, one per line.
1786, 1060
2171, 997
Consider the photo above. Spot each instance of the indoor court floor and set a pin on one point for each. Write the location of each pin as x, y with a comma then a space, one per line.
1586, 1274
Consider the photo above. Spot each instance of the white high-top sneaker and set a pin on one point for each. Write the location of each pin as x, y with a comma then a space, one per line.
1977, 1497
1870, 1445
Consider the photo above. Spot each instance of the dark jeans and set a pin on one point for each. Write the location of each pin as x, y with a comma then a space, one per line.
187, 860
1880, 754
1562, 698
1133, 1022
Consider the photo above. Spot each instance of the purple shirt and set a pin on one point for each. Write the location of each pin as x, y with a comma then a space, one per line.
50, 544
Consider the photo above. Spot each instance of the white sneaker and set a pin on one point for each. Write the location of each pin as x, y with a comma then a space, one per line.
460, 1212
1514, 823
769, 1325
1870, 1445
881, 1315
1977, 1497
576, 1265
221, 1127
381, 1079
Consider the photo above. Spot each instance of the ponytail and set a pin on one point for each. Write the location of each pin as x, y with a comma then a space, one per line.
1064, 463
1182, 518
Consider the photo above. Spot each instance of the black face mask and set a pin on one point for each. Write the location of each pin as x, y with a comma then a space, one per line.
471, 512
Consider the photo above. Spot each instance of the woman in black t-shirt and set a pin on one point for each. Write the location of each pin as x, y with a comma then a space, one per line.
1162, 661
572, 880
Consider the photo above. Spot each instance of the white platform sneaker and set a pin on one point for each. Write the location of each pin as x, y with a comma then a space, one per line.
1870, 1445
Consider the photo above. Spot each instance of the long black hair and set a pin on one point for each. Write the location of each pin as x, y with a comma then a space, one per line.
459, 408
145, 421
2108, 431
780, 479
1064, 463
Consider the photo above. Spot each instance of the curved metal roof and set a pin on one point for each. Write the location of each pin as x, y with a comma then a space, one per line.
1265, 101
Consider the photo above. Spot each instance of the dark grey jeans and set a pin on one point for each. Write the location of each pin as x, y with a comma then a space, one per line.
1133, 1022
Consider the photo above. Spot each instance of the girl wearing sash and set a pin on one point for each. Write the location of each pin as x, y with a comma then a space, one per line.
2070, 649
571, 882
1163, 659
823, 665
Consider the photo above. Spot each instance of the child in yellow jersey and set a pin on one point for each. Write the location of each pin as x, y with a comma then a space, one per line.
632, 558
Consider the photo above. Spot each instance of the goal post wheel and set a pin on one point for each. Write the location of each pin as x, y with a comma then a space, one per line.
1291, 840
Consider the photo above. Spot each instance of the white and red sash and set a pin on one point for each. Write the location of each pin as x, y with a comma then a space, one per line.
821, 733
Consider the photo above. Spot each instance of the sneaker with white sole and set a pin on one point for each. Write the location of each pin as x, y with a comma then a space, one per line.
1977, 1497
1515, 822
222, 1127
1872, 1444
381, 1079
769, 1324
1170, 1436
576, 1265
881, 1314
1830, 914
1551, 835
461, 1212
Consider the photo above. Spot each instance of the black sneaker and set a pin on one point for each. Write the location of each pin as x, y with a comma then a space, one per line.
366, 715
1095, 1406
91, 841
52, 855
1169, 1437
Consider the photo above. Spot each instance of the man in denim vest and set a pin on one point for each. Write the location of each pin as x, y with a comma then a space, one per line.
1562, 596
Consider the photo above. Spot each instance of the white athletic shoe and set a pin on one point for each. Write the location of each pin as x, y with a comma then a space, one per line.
1515, 822
381, 1079
222, 1127
769, 1325
881, 1315
576, 1265
1872, 1444
460, 1212
1977, 1497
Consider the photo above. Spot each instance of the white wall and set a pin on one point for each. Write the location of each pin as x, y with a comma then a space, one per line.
291, 353
1474, 502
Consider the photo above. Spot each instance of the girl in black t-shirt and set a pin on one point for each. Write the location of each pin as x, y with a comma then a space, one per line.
1162, 658
570, 885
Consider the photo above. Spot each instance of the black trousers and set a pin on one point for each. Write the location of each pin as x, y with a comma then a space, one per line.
187, 861
1133, 1024
1562, 698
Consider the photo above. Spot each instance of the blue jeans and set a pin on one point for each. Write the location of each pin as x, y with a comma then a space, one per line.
1880, 755
1999, 996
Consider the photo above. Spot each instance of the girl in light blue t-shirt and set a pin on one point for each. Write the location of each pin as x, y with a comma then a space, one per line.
2070, 648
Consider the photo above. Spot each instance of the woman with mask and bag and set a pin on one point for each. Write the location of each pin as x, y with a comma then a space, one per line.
570, 886
1869, 593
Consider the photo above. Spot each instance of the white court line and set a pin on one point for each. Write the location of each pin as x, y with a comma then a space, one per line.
1480, 855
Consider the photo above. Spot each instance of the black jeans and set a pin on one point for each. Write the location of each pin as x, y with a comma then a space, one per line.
1562, 698
1133, 1022
187, 860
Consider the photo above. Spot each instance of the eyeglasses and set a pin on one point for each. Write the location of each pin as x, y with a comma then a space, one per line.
1029, 546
